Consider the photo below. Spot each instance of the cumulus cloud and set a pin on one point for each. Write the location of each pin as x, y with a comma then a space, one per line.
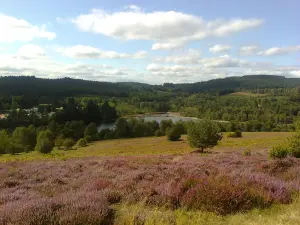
85, 51
248, 49
255, 50
220, 48
132, 7
31, 51
15, 29
169, 29
280, 50
13, 64
223, 62
190, 56
168, 46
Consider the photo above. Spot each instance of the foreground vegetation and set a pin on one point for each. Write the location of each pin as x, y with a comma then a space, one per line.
212, 188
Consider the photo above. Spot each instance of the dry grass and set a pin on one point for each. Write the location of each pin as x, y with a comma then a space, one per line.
254, 141
248, 94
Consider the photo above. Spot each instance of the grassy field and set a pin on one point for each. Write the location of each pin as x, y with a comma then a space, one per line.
254, 141
248, 94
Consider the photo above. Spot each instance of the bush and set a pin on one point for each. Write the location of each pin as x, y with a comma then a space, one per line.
203, 134
81, 142
59, 141
294, 145
68, 143
236, 134
110, 135
102, 133
158, 133
88, 138
20, 137
174, 133
5, 142
91, 130
164, 125
44, 145
279, 152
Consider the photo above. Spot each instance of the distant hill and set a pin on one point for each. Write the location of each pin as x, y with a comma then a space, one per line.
232, 84
32, 86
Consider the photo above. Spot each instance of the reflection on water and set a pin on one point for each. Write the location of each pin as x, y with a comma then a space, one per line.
153, 117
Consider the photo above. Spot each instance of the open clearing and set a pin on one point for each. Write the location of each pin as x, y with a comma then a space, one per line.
248, 94
254, 141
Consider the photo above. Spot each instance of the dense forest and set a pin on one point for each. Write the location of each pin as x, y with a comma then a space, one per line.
65, 87
253, 103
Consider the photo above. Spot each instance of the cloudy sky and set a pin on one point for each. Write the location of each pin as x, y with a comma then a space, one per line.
149, 41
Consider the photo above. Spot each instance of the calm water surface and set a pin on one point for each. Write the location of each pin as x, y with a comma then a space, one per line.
153, 117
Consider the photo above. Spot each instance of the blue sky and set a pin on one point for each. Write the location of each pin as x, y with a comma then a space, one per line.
149, 41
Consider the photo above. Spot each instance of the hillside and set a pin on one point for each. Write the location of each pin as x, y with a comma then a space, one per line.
32, 86
231, 84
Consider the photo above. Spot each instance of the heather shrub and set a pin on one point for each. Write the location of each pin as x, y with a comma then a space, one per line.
294, 145
68, 143
279, 152
81, 142
223, 196
75, 209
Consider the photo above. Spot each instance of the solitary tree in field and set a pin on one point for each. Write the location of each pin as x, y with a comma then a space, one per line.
203, 134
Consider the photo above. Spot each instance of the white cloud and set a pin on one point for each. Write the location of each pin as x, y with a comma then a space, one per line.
168, 46
280, 50
132, 7
220, 48
248, 49
192, 73
31, 51
169, 29
223, 62
155, 73
85, 51
14, 29
190, 56
49, 68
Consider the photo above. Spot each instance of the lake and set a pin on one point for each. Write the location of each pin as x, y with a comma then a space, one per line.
153, 117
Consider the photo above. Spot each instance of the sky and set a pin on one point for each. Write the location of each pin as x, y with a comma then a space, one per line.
149, 41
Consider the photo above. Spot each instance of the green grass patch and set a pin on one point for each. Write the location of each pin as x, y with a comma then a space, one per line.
141, 214
254, 141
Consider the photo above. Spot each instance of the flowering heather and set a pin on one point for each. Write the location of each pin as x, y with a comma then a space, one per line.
82, 191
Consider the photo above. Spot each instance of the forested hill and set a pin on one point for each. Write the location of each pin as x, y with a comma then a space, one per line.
32, 86
232, 84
